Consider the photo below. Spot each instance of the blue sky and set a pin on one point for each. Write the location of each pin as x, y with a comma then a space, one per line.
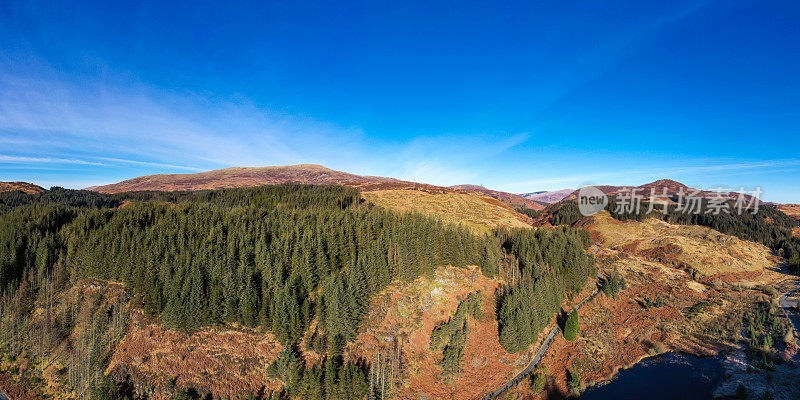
517, 96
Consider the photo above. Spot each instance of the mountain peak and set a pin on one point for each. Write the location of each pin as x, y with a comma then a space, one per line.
469, 187
665, 183
241, 177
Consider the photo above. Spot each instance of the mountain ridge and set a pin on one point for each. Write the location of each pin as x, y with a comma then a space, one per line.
239, 177
506, 197
661, 187
548, 196
26, 187
302, 173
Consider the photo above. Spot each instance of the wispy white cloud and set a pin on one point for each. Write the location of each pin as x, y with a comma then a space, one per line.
47, 160
151, 164
137, 124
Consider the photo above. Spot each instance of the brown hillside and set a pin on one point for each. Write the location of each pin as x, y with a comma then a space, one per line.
240, 177
26, 187
792, 210
479, 213
688, 247
659, 187
219, 360
511, 199
480, 210
399, 326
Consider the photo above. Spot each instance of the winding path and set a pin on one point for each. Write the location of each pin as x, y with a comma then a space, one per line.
539, 354
789, 307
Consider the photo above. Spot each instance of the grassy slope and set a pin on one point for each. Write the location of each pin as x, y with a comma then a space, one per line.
703, 249
481, 214
26, 187
402, 318
652, 256
792, 210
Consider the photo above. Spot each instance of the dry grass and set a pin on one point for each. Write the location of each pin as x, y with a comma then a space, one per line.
618, 332
792, 210
687, 246
26, 187
402, 318
481, 214
225, 362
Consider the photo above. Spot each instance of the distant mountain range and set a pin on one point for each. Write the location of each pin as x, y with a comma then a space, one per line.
303, 173
549, 197
320, 175
505, 197
660, 188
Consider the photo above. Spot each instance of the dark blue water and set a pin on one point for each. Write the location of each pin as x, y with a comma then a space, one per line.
665, 377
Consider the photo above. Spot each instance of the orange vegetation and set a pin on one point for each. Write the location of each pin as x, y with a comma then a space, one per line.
223, 361
399, 326
26, 187
792, 210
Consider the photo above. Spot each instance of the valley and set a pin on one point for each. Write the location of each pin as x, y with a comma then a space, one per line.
316, 314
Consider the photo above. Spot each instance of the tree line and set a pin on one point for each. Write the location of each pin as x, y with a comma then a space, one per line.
766, 224
543, 267
274, 258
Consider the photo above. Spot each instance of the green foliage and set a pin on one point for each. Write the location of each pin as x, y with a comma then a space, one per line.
186, 394
565, 213
614, 284
450, 337
698, 308
539, 380
648, 302
106, 389
574, 383
572, 326
332, 379
528, 211
547, 265
630, 213
288, 367
277, 257
271, 256
453, 352
763, 327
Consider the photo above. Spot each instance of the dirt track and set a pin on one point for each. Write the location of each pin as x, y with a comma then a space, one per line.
790, 308
539, 354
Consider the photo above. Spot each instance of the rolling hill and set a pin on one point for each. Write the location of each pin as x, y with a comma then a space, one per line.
239, 177
548, 197
26, 187
398, 279
661, 187
792, 210
508, 198
303, 173
481, 214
